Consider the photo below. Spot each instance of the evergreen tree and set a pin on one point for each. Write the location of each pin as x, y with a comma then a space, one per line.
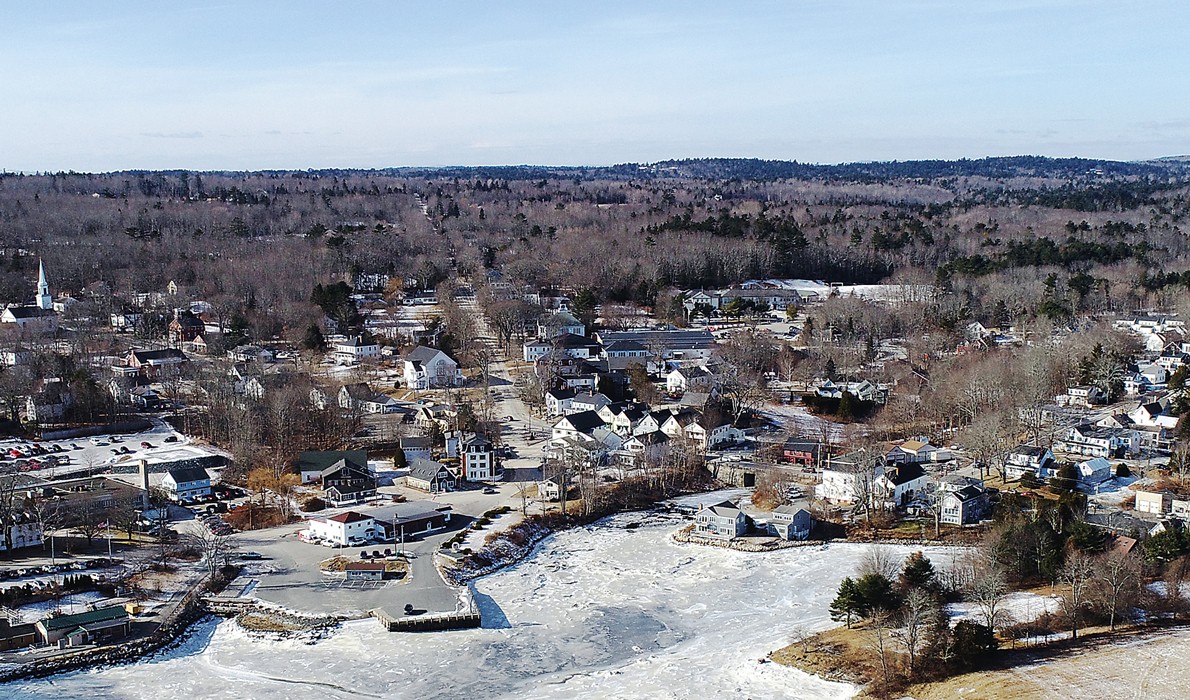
846, 409
314, 340
848, 603
918, 572
877, 593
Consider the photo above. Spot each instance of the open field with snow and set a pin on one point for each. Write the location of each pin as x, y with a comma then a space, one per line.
598, 612
1143, 667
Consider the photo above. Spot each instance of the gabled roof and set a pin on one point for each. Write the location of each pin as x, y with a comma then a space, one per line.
476, 439
967, 493
365, 566
143, 356
561, 394
654, 438
725, 509
789, 509
182, 475
903, 473
423, 354
347, 467
318, 461
28, 311
597, 400
583, 421
625, 346
427, 470
1030, 450
570, 340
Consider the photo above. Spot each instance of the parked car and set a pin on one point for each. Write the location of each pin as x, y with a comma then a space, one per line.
146, 445
489, 490
171, 438
251, 555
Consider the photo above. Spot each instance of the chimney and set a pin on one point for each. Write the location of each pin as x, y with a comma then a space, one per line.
144, 480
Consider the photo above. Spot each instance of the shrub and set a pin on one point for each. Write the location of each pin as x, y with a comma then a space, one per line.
1122, 471
313, 504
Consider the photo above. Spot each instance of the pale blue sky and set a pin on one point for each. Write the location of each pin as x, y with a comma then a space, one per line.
95, 85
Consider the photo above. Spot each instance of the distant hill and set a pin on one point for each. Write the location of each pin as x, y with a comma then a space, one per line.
758, 169
755, 169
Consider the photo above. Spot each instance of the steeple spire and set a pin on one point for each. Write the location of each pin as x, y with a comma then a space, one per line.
44, 299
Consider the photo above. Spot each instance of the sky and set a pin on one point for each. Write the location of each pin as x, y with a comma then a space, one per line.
295, 84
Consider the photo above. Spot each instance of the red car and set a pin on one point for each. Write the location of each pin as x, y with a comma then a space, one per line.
145, 445
15, 452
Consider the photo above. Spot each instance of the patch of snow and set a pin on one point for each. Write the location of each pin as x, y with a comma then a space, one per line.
1022, 606
69, 604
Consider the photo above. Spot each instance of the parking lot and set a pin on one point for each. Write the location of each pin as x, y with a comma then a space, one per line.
289, 574
53, 459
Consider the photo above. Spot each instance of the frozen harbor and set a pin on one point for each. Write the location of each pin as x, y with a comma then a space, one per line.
597, 612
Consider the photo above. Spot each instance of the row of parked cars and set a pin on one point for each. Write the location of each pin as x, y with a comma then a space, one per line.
65, 567
216, 524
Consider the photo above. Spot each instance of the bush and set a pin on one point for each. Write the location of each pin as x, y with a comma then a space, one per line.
1122, 471
313, 504
972, 643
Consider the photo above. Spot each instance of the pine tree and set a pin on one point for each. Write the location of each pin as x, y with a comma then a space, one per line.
849, 603
918, 572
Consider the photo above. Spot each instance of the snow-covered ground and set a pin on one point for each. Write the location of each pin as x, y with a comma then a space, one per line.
871, 292
597, 612
74, 603
797, 418
1022, 606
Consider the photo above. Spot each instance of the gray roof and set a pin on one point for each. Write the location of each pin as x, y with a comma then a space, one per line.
625, 346
968, 493
789, 509
725, 509
673, 339
422, 354
29, 311
182, 475
584, 421
319, 461
426, 470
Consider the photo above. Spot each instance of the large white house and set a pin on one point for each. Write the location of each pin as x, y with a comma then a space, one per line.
478, 459
1027, 458
351, 350
691, 378
430, 368
187, 483
1092, 440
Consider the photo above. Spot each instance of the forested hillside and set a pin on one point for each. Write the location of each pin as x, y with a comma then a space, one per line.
1018, 236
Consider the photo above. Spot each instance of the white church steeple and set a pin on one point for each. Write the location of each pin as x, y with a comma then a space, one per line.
44, 299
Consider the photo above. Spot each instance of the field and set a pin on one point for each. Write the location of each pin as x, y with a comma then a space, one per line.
1149, 666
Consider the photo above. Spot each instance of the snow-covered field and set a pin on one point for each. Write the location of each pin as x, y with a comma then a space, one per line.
599, 612
871, 292
1022, 606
